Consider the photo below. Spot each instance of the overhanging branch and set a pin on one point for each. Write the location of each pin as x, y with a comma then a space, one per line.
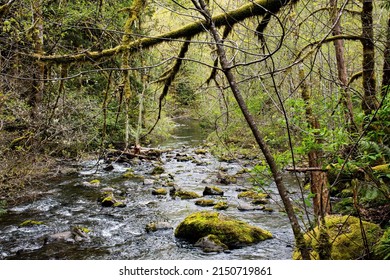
255, 8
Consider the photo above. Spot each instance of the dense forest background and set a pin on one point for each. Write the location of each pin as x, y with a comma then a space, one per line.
297, 86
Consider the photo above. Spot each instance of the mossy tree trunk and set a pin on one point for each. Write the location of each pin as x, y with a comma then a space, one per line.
226, 68
369, 102
319, 185
342, 68
133, 14
38, 84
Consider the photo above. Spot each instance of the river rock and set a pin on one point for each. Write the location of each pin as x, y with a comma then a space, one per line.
205, 202
212, 191
226, 179
221, 205
160, 191
76, 234
242, 206
156, 226
211, 243
184, 194
234, 233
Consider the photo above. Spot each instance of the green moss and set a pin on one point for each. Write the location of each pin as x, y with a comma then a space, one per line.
221, 205
382, 249
158, 170
212, 190
30, 223
186, 194
160, 191
346, 238
233, 233
83, 229
253, 195
205, 202
95, 182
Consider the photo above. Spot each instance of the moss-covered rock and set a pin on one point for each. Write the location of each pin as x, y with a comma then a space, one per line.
210, 244
221, 205
155, 226
226, 179
159, 191
183, 194
345, 234
107, 199
252, 195
158, 170
212, 190
233, 233
205, 202
30, 223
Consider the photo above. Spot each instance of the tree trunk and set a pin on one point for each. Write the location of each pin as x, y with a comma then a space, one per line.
226, 68
318, 179
369, 102
39, 68
342, 69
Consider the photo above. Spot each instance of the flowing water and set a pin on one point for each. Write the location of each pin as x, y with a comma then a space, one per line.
119, 233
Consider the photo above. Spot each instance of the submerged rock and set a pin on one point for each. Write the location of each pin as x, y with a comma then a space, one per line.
345, 235
234, 233
212, 191
156, 226
210, 244
75, 234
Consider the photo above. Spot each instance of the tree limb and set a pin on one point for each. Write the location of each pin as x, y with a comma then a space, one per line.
254, 8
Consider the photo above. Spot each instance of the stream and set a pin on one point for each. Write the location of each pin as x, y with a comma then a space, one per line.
119, 233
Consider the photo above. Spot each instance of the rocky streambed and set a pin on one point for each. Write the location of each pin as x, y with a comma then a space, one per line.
130, 210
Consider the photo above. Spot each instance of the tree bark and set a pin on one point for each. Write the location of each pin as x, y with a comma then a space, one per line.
38, 84
318, 179
369, 102
226, 68
342, 69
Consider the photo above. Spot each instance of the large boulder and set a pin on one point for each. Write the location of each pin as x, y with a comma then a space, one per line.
231, 232
345, 235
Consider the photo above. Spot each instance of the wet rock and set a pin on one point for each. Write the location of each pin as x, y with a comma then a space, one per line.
160, 191
234, 233
205, 202
183, 194
226, 179
107, 199
248, 207
75, 234
260, 201
109, 167
221, 205
183, 157
30, 223
148, 182
156, 226
93, 183
212, 191
158, 170
200, 151
210, 244
253, 195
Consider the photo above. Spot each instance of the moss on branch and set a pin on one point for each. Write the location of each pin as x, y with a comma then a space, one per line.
255, 8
